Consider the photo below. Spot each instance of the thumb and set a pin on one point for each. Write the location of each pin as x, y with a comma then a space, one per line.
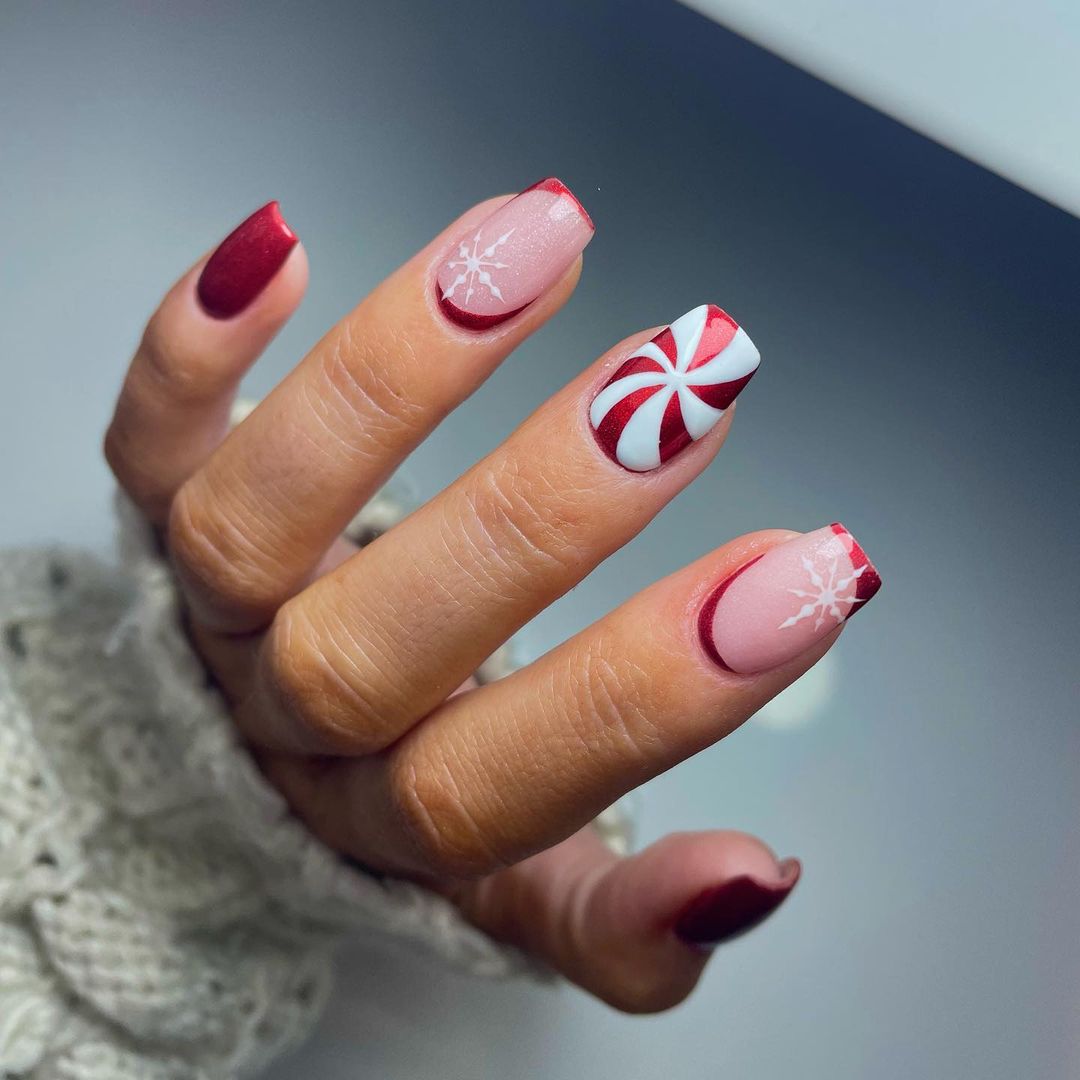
636, 932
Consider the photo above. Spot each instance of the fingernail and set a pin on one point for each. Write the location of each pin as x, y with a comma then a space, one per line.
674, 389
245, 262
777, 605
516, 255
735, 906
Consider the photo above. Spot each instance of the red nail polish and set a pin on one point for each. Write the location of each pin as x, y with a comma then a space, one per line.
733, 907
245, 262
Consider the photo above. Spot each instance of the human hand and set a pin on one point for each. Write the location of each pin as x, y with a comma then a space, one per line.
349, 671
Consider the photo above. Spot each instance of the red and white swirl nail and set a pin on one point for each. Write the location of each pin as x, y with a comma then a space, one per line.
674, 389
512, 257
776, 606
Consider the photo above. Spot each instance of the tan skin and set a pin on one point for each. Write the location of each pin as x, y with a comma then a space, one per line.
349, 671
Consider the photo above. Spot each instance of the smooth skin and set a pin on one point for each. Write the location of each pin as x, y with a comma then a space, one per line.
349, 672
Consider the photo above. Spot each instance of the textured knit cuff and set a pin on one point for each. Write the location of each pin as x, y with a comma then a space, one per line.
162, 914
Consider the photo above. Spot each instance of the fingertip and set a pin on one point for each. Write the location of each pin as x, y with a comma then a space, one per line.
790, 871
734, 906
672, 904
707, 887
208, 330
294, 274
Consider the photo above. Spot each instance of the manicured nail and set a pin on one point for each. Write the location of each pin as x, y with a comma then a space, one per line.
245, 262
735, 906
674, 389
514, 256
777, 605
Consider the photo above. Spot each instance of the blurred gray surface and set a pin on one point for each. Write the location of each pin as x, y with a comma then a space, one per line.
918, 319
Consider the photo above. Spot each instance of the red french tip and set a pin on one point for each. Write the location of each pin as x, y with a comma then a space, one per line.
504, 263
730, 909
557, 187
472, 321
869, 580
245, 262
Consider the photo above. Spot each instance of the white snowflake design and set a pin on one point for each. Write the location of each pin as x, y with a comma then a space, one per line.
474, 267
830, 591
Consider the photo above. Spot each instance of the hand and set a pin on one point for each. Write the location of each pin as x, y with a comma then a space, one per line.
348, 671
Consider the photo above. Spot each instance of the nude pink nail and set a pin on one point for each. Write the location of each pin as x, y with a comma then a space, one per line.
779, 604
500, 267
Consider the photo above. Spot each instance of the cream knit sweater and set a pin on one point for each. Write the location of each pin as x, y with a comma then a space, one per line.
161, 913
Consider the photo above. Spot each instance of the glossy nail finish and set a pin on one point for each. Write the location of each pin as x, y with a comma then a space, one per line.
245, 262
777, 605
674, 389
735, 906
513, 257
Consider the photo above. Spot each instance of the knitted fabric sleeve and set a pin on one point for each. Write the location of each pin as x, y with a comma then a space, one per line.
162, 915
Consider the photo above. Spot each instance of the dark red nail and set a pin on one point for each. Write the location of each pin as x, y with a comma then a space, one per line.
732, 908
245, 262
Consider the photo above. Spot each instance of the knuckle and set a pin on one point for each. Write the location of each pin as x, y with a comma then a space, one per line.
184, 373
610, 695
361, 400
222, 568
433, 816
115, 448
125, 447
333, 708
522, 518
135, 474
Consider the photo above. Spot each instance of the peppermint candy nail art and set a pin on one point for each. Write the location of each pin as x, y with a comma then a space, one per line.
673, 389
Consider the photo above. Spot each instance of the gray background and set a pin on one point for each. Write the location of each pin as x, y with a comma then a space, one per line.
918, 319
